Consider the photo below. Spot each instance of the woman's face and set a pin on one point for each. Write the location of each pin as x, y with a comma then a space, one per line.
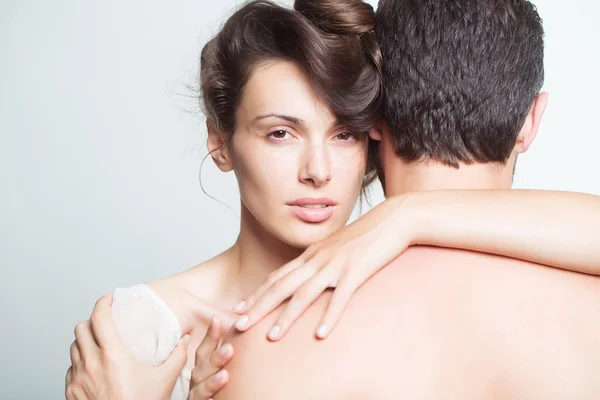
299, 172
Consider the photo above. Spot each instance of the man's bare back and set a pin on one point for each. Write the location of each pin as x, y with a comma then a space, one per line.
437, 324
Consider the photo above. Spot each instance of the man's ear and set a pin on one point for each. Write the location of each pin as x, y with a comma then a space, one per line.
530, 128
376, 133
217, 144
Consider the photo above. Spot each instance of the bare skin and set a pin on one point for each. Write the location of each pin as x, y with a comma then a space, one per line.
436, 323
271, 236
211, 289
194, 299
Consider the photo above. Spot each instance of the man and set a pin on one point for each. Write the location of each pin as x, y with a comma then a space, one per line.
462, 80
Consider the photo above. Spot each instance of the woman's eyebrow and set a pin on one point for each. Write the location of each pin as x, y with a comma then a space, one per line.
336, 124
293, 120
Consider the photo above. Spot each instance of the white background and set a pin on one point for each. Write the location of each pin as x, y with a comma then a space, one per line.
101, 142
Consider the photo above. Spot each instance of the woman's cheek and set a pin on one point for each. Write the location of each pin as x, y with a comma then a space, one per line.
266, 177
350, 167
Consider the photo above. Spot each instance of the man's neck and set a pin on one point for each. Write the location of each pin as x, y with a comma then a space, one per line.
425, 176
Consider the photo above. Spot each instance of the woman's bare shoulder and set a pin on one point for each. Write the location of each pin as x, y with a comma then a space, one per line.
193, 293
198, 280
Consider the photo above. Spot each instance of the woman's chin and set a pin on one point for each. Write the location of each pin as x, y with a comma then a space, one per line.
308, 234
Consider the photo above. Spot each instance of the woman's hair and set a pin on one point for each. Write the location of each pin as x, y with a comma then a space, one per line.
332, 41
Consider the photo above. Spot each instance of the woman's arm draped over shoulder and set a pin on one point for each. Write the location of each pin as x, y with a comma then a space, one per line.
558, 229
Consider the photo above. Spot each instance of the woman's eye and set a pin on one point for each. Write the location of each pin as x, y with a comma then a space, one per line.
345, 136
279, 134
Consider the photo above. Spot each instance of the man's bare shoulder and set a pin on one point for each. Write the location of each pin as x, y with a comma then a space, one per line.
261, 369
431, 320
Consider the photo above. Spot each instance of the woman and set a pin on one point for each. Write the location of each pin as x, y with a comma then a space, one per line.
289, 96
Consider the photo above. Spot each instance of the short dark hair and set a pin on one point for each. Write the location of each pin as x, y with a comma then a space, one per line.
460, 76
332, 41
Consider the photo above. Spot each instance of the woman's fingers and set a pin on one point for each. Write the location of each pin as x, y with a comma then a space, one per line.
101, 323
219, 359
212, 364
209, 387
276, 276
68, 378
75, 354
208, 377
299, 302
85, 342
275, 295
210, 342
337, 305
170, 369
210, 359
75, 392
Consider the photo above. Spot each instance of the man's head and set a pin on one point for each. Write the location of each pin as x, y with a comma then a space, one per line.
462, 80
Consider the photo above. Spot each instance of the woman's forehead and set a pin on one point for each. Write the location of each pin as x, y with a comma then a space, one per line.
282, 88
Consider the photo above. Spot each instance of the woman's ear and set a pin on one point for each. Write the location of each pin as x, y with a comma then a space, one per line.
218, 148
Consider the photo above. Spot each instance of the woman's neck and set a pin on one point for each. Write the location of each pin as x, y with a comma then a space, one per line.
255, 254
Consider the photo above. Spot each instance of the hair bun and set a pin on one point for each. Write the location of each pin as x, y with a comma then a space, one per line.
341, 17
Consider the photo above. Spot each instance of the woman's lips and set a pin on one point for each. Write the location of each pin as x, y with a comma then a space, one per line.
313, 209
313, 215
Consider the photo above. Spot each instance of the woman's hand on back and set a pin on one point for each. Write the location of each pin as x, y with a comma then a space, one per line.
208, 375
102, 368
343, 261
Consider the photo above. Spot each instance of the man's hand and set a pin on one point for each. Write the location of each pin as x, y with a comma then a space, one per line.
102, 368
208, 375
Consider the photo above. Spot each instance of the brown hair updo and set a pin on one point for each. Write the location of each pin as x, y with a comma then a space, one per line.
332, 41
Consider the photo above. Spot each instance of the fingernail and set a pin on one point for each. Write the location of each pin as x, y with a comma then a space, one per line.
219, 376
242, 322
322, 331
185, 339
274, 332
240, 306
224, 350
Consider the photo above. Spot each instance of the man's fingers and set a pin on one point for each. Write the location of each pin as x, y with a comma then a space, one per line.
337, 305
300, 301
276, 276
277, 294
102, 325
210, 341
213, 364
210, 386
